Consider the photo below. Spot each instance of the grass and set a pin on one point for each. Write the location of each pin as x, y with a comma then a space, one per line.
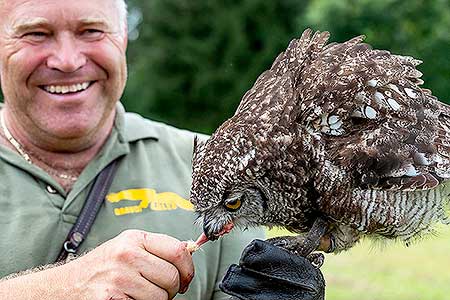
371, 271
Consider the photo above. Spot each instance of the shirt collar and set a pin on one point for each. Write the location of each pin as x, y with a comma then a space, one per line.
132, 127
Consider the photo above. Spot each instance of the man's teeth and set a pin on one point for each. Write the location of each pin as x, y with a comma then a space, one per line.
64, 89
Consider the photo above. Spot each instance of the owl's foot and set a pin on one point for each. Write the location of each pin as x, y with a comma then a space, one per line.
291, 243
314, 240
317, 259
295, 243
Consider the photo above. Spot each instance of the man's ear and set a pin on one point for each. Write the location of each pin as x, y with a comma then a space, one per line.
125, 34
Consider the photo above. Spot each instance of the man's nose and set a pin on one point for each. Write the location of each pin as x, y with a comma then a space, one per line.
66, 55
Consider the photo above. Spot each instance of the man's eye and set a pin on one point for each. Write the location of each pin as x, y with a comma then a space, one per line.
35, 35
92, 33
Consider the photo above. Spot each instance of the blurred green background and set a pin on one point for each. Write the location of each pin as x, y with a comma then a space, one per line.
191, 61
390, 270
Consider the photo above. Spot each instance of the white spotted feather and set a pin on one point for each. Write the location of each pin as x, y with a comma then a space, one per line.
338, 131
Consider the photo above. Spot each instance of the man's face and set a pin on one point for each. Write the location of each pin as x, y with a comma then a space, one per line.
62, 64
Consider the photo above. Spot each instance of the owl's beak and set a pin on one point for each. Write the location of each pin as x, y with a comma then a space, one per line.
214, 232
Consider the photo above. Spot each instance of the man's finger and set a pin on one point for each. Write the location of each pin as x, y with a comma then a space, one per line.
152, 267
173, 251
143, 289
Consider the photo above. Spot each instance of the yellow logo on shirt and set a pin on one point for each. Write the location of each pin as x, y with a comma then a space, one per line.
148, 198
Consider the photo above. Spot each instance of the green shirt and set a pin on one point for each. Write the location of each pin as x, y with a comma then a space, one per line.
149, 192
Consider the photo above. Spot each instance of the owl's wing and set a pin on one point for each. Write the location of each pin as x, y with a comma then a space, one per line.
373, 119
273, 96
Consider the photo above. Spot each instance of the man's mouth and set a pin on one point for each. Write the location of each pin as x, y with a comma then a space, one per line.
66, 89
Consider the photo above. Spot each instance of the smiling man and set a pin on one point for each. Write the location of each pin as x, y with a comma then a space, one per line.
63, 71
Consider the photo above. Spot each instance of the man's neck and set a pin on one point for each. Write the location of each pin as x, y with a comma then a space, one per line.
65, 163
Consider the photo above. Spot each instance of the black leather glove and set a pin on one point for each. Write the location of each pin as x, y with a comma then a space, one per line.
267, 272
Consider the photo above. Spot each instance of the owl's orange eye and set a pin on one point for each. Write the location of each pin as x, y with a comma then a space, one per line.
233, 205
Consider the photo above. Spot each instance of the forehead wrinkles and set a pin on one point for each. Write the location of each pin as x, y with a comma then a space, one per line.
30, 14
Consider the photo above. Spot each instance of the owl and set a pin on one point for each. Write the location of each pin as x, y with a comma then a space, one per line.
334, 142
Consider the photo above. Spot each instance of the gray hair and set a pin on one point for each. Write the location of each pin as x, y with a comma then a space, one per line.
122, 9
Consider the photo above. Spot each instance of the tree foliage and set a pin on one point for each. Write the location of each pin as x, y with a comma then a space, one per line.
418, 28
194, 60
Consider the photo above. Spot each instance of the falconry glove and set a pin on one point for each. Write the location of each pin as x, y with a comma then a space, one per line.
268, 272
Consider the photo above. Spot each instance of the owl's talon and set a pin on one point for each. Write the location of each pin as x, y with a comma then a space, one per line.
317, 259
332, 244
279, 242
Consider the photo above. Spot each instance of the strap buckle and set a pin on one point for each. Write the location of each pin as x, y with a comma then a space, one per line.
89, 211
71, 245
69, 248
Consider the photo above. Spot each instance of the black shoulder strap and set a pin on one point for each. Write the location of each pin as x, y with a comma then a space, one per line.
90, 209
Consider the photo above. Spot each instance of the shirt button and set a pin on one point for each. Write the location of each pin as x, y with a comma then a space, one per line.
51, 190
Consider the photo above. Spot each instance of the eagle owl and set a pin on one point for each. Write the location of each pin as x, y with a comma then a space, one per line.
334, 142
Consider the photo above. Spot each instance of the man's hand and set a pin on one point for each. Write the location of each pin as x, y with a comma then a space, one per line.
267, 272
137, 264
134, 265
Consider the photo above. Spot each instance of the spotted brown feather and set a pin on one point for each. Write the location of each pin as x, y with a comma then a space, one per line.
339, 132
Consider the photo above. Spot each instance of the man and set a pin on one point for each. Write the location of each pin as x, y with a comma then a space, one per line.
63, 70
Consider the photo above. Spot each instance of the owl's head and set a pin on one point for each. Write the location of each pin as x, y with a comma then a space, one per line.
226, 191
